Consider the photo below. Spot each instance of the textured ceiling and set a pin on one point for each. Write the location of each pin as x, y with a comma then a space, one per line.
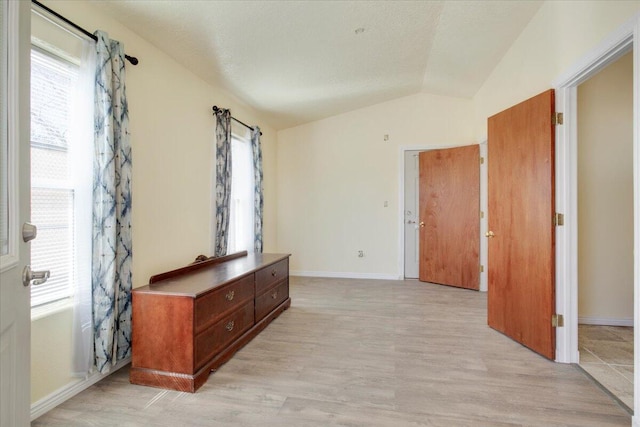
299, 61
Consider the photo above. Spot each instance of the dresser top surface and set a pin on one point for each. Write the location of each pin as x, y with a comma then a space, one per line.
202, 281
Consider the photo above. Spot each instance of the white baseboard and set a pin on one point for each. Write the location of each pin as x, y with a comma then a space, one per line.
65, 393
343, 275
605, 321
635, 421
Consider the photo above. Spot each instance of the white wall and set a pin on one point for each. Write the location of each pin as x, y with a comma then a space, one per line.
334, 176
172, 138
605, 195
557, 36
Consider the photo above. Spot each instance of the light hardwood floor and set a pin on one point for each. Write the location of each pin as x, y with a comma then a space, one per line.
364, 353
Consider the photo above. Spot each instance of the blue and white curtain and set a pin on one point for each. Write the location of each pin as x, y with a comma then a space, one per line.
223, 180
257, 179
112, 251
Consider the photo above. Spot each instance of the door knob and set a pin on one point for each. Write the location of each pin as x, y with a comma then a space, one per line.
489, 234
421, 223
37, 277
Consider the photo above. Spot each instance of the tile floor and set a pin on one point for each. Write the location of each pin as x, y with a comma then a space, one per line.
606, 353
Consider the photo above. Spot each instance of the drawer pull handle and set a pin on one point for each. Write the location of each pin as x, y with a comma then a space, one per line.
274, 295
230, 326
229, 295
274, 272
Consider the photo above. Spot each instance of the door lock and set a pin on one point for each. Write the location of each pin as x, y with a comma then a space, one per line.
489, 234
29, 232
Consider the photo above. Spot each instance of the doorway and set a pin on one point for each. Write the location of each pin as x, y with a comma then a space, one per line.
616, 45
411, 251
605, 227
408, 262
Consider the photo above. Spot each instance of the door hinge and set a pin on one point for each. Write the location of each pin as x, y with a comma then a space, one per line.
481, 160
482, 269
557, 320
558, 219
481, 214
557, 119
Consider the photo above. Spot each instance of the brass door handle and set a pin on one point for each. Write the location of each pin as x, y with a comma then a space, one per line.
421, 224
489, 234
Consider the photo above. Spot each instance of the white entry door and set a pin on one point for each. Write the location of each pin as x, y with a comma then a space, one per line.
15, 319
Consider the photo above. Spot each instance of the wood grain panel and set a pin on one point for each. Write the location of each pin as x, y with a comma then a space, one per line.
271, 275
197, 283
193, 321
271, 298
170, 323
195, 266
521, 273
450, 210
214, 339
212, 306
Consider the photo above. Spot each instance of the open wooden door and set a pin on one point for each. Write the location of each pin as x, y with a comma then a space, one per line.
521, 300
450, 216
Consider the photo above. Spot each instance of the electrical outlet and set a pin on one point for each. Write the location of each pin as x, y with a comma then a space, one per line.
360, 254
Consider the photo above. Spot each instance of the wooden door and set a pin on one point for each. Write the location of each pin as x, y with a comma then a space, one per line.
450, 216
521, 298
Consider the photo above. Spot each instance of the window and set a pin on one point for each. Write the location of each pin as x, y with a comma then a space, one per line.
52, 193
242, 196
61, 163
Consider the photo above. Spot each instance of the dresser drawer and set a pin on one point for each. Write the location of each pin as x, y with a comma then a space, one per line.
215, 304
271, 299
270, 275
215, 338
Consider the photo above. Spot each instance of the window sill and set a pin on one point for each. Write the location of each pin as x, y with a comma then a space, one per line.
50, 309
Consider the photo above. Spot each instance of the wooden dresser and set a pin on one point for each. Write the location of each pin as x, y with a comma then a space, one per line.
188, 322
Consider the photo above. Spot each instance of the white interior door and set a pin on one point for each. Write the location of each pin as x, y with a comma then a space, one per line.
15, 320
411, 233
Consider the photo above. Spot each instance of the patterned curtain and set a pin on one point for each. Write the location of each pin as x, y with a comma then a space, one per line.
223, 179
112, 252
258, 197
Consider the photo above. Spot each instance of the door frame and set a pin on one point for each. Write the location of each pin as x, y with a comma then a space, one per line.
483, 204
618, 43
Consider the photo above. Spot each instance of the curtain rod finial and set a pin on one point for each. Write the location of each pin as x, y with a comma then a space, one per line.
132, 59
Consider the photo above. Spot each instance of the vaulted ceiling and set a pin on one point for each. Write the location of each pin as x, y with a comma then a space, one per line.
299, 61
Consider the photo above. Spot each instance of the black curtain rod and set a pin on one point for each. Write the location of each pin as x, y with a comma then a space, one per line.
132, 59
216, 109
